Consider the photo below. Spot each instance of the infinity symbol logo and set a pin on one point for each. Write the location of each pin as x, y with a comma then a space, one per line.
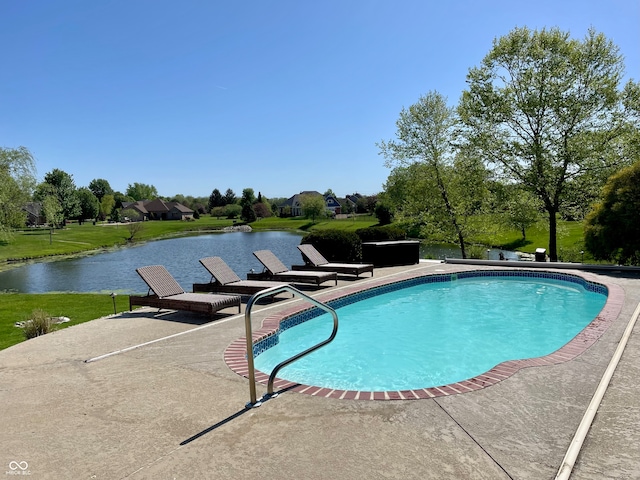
18, 465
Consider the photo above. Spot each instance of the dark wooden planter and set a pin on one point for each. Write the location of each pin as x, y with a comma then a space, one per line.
391, 253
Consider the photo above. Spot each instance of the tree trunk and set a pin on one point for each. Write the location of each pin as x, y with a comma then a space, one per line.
450, 212
461, 240
553, 233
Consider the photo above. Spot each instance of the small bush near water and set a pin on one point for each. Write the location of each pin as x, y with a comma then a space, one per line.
40, 323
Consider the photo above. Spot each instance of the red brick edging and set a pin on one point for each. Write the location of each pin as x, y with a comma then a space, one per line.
235, 354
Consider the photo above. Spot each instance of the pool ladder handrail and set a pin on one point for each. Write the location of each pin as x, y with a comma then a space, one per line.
249, 336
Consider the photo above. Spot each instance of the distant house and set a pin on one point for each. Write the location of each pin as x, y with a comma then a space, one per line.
293, 205
333, 204
352, 200
158, 210
35, 216
354, 203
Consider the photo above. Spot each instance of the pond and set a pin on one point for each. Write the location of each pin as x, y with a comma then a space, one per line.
440, 252
115, 271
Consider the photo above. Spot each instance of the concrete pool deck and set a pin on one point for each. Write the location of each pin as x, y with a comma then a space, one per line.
172, 408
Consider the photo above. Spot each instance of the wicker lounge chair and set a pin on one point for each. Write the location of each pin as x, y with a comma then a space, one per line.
276, 270
225, 280
169, 295
315, 261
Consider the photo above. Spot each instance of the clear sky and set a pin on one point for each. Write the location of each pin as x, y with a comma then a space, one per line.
278, 96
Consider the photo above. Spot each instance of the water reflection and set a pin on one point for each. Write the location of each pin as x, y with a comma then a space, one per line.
115, 271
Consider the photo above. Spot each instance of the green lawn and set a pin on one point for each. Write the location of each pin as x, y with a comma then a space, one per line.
78, 307
570, 239
74, 238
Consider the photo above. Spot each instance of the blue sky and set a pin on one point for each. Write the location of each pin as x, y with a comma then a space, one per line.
279, 96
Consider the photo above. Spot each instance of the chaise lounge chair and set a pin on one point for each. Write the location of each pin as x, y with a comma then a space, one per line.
169, 295
276, 270
223, 279
315, 261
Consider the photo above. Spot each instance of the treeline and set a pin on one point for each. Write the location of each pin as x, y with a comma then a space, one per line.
60, 199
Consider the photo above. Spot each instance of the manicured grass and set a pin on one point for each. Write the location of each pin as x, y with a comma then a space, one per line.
40, 242
306, 224
78, 307
570, 239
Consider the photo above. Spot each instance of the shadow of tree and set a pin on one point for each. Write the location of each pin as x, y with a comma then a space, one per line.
307, 226
516, 244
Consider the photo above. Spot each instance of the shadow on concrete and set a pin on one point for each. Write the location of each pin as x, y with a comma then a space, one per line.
213, 427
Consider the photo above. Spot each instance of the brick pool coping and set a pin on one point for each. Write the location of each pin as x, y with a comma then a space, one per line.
236, 353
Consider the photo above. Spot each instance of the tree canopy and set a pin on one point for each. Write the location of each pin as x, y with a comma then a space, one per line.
61, 185
17, 181
313, 206
141, 191
246, 202
436, 186
229, 196
612, 229
89, 204
100, 187
544, 110
215, 199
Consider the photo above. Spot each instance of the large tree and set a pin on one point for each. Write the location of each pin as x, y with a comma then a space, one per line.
229, 197
313, 206
546, 110
246, 202
52, 211
89, 204
107, 205
612, 229
215, 199
442, 186
100, 187
60, 184
17, 180
141, 191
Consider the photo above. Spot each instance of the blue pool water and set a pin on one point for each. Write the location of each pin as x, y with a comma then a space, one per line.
436, 333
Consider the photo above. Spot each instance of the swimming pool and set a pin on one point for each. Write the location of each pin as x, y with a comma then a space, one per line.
435, 330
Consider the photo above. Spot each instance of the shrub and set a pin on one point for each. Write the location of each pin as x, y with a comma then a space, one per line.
383, 213
336, 245
476, 251
218, 212
232, 210
39, 324
382, 234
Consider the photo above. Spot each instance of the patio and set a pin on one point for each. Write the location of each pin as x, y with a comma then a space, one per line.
158, 401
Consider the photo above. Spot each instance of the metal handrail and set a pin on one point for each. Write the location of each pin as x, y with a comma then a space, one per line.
249, 334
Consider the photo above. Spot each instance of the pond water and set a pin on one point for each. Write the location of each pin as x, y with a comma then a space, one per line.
115, 271
440, 252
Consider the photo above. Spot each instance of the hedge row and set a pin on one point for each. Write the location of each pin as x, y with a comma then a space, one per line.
343, 246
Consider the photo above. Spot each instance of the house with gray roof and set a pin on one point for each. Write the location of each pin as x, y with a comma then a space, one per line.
35, 215
158, 209
293, 205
